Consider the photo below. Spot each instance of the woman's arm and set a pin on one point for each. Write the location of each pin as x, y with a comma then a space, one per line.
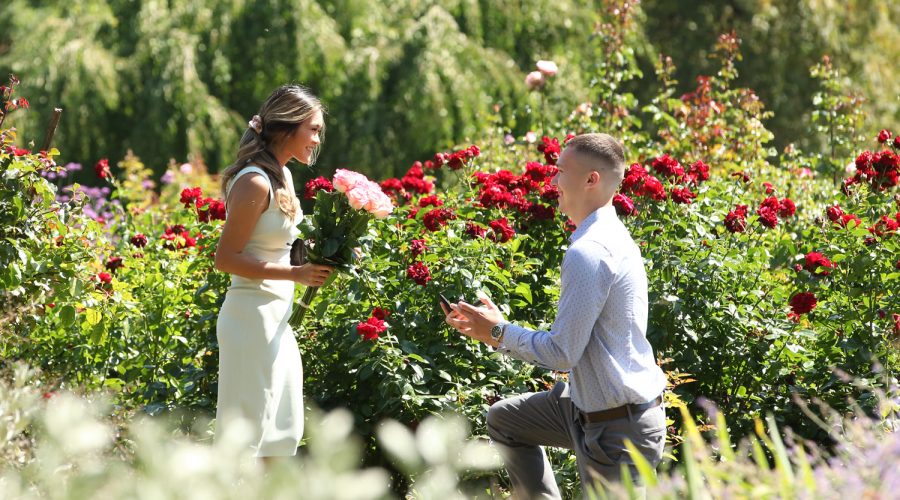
248, 199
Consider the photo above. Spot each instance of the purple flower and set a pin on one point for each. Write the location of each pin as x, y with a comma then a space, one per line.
168, 177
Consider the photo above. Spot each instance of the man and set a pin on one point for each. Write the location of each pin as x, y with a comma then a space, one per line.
599, 335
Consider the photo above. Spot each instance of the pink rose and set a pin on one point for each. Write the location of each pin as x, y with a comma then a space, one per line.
346, 180
357, 196
547, 68
534, 80
383, 207
378, 204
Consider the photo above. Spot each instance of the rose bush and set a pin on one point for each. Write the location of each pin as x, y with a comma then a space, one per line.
768, 280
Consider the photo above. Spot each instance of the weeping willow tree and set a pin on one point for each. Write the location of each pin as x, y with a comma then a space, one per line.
401, 79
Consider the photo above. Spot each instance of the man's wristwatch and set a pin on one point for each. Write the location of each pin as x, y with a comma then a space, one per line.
498, 330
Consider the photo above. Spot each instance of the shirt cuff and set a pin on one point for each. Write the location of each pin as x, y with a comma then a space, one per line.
511, 340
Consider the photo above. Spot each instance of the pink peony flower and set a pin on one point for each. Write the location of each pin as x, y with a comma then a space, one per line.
357, 196
380, 204
345, 180
534, 80
547, 68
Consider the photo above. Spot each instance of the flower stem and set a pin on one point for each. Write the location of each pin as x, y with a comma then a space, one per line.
296, 319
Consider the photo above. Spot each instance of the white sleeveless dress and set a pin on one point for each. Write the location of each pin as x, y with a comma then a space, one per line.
260, 371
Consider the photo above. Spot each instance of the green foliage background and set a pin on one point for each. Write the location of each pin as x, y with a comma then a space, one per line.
404, 78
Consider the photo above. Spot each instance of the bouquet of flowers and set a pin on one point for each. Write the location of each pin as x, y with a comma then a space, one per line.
341, 216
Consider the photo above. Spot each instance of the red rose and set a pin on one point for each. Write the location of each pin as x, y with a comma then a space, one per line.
501, 230
318, 184
217, 210
114, 263
769, 188
104, 278
699, 172
549, 192
624, 205
494, 195
380, 313
541, 212
474, 230
416, 184
190, 196
834, 213
897, 142
102, 168
432, 200
537, 172
634, 176
683, 196
419, 273
814, 261
846, 219
480, 178
667, 166
863, 162
803, 302
391, 186
786, 208
768, 212
23, 103
550, 148
744, 176
896, 318
437, 218
371, 328
735, 222
653, 188
177, 239
176, 229
884, 136
210, 209
17, 151
885, 225
897, 265
139, 240
415, 171
417, 248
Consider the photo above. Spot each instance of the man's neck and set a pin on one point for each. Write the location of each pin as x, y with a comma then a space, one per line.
588, 209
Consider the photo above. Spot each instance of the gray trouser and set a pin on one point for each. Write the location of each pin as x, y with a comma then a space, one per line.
519, 426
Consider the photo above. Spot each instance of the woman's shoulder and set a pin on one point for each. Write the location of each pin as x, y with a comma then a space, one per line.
250, 174
250, 187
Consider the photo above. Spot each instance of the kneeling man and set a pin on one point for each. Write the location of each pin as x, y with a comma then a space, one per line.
599, 335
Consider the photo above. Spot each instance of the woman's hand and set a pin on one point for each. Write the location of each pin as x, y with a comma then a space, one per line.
311, 274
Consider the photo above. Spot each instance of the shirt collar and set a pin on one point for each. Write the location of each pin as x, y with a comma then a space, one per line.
598, 216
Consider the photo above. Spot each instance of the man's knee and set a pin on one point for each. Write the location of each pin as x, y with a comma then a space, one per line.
498, 418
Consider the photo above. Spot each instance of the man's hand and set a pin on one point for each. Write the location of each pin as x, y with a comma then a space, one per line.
475, 322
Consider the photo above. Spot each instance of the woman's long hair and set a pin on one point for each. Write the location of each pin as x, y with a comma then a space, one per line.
280, 115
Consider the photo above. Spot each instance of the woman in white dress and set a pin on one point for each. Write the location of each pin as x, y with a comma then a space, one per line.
260, 371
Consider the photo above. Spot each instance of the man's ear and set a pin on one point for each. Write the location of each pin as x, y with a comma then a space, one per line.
594, 179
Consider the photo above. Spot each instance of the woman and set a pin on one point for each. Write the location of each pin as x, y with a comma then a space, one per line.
260, 372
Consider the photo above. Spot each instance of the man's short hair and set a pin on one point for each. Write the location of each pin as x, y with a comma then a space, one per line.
604, 150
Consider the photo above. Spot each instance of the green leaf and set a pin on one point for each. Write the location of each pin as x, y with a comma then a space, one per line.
524, 291
67, 315
92, 316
